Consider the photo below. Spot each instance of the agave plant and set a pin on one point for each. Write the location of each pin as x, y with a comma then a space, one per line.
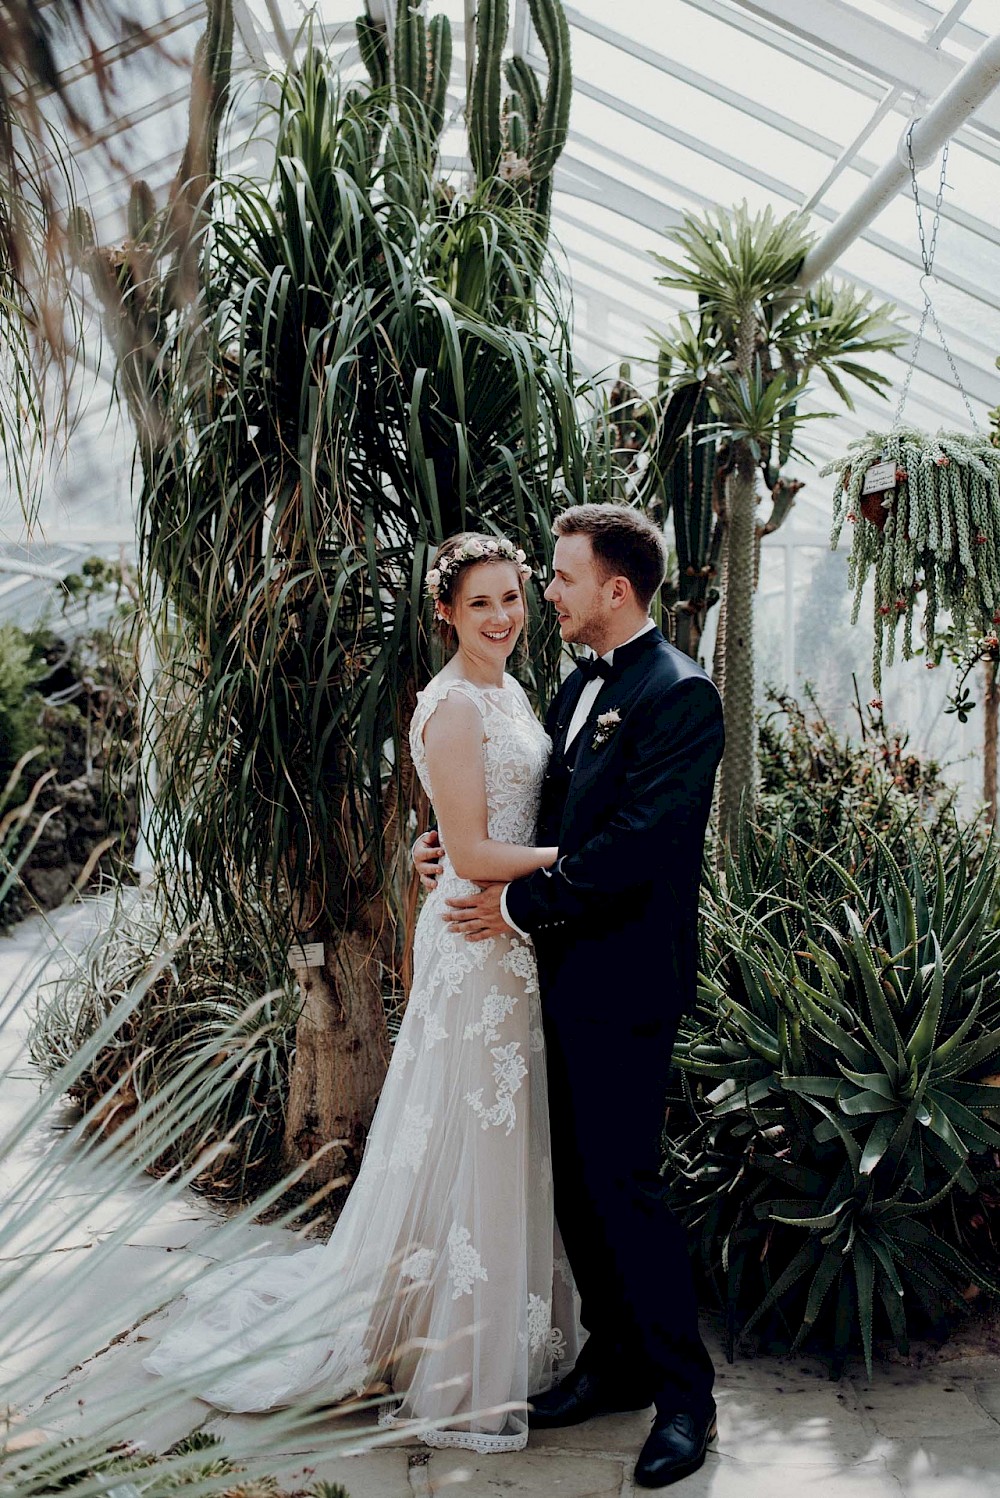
836, 1071
59, 1174
750, 352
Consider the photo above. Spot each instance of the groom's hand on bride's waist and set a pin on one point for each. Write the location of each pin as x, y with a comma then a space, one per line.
477, 917
427, 854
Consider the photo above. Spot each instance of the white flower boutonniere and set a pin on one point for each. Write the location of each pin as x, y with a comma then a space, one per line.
607, 724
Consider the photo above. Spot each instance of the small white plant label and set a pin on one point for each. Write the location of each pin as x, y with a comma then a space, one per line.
879, 478
307, 954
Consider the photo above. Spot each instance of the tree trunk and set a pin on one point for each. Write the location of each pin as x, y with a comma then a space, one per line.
991, 703
341, 1056
736, 784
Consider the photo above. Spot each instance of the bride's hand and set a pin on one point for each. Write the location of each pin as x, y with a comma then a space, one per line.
428, 854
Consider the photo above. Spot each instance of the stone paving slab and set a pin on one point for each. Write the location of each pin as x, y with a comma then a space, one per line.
379, 1474
924, 1407
533, 1474
722, 1478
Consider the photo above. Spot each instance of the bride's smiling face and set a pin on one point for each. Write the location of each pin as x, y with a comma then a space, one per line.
487, 610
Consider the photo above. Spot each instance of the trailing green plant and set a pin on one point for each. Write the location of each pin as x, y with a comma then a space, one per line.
838, 1080
210, 995
933, 528
755, 342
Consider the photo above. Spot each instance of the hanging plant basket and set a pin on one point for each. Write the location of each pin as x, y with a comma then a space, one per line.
932, 530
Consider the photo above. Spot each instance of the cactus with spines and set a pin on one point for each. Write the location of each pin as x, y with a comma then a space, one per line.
516, 140
936, 531
416, 71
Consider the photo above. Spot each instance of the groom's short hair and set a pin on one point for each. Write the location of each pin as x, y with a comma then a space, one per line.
624, 542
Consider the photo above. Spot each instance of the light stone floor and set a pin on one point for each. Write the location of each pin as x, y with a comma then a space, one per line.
786, 1430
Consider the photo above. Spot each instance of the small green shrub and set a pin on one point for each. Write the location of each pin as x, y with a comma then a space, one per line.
70, 701
20, 704
839, 1111
820, 782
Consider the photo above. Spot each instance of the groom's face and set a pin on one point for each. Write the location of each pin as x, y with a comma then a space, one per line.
579, 591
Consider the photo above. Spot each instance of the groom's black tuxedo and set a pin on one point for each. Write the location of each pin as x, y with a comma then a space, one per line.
615, 929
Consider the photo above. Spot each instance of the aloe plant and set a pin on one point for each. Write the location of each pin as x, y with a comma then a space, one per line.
848, 1016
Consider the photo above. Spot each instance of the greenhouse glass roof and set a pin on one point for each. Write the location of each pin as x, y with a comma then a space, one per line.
678, 105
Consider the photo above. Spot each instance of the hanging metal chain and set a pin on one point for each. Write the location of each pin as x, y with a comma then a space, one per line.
927, 253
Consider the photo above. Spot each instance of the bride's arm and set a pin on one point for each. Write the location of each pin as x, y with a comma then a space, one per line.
453, 739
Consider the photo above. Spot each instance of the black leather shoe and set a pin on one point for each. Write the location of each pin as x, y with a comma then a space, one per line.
579, 1397
674, 1448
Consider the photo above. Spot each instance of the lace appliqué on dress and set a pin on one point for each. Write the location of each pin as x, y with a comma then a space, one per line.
464, 1264
496, 1007
509, 1071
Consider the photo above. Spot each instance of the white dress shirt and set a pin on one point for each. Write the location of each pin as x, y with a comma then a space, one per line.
581, 713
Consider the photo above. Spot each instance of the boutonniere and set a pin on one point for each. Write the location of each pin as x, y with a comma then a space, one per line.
607, 725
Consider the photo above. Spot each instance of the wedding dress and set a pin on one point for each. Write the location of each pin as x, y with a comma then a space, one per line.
444, 1276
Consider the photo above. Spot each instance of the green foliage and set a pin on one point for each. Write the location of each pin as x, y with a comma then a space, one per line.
20, 831
67, 707
210, 996
368, 369
745, 362
935, 530
836, 1074
19, 703
820, 783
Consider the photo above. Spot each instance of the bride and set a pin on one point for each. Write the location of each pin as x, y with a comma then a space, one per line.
444, 1276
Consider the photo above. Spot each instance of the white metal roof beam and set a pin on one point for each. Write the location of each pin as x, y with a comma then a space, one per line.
793, 195
785, 41
873, 48
902, 304
976, 82
802, 133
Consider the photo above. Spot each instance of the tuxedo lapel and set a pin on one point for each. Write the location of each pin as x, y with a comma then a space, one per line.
629, 669
571, 694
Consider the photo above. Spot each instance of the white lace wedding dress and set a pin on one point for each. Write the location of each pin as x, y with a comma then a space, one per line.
444, 1276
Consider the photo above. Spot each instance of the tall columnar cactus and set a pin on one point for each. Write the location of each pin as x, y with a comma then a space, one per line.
691, 494
518, 139
420, 64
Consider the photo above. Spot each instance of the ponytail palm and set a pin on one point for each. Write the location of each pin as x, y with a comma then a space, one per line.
371, 365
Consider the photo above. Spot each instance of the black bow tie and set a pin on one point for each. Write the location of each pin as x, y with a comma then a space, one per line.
596, 666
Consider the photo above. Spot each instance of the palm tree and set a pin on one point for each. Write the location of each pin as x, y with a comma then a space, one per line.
368, 362
756, 341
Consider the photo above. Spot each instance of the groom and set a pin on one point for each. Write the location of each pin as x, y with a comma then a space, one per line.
637, 737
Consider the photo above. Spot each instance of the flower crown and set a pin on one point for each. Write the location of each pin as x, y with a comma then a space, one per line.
490, 549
